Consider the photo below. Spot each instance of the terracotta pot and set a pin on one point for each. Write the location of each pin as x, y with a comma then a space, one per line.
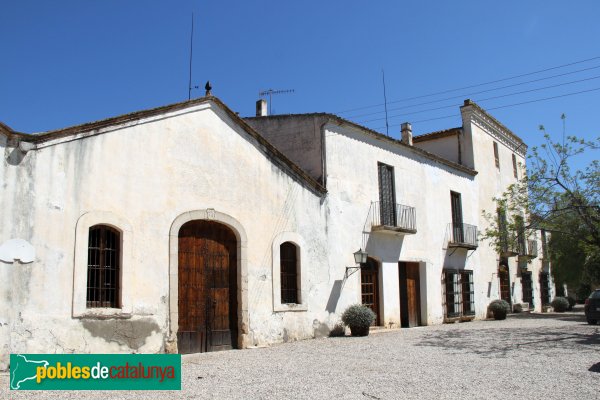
359, 331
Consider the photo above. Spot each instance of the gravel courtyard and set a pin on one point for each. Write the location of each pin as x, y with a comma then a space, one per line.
527, 356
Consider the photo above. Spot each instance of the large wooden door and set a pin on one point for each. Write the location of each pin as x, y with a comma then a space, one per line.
207, 296
410, 297
369, 285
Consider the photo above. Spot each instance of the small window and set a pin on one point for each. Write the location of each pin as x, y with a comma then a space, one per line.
496, 156
515, 169
289, 273
103, 267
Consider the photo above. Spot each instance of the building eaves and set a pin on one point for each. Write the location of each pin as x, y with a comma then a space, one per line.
471, 103
437, 135
275, 155
341, 121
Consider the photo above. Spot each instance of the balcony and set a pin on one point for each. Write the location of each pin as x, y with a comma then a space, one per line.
393, 218
462, 235
528, 249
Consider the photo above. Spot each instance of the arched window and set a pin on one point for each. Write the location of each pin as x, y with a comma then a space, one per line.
289, 273
103, 267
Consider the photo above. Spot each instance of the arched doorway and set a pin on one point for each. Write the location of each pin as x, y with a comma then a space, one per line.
369, 287
207, 287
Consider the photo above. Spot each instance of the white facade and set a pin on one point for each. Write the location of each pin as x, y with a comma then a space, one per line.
147, 174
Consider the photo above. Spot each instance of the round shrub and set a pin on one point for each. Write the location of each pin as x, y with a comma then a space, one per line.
338, 330
572, 302
499, 308
358, 316
560, 304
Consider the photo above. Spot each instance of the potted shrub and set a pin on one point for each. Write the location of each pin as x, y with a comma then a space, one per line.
499, 308
359, 318
572, 302
560, 304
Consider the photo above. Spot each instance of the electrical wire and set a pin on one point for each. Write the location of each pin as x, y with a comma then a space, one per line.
507, 105
490, 98
472, 86
466, 95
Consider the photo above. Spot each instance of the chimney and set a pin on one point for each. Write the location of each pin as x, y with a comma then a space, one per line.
261, 108
406, 130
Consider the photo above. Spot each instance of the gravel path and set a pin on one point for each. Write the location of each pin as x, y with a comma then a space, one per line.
527, 356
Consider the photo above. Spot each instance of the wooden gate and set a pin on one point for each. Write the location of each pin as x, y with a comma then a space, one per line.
207, 297
369, 284
410, 304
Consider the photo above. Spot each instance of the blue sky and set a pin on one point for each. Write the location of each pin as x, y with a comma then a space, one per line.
70, 62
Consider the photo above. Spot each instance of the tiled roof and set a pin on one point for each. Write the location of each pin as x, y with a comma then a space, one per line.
436, 135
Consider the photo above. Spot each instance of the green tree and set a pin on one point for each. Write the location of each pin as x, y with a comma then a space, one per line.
554, 197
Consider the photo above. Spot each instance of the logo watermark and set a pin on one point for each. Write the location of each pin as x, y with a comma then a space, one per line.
95, 372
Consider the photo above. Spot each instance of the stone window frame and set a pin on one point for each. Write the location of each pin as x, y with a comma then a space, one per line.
80, 267
298, 241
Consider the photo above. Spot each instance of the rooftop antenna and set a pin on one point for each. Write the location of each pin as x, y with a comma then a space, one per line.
387, 127
190, 87
271, 92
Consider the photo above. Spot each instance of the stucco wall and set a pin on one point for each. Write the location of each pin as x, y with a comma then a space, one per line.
148, 173
299, 137
492, 182
420, 182
446, 147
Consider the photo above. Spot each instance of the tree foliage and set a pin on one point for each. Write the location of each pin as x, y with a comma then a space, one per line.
554, 197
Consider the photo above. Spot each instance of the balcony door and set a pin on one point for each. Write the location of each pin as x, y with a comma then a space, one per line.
387, 195
457, 218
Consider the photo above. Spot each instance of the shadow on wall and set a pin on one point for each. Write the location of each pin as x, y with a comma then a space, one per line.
334, 296
15, 157
456, 258
385, 247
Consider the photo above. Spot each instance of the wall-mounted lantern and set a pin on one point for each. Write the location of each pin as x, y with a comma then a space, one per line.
360, 256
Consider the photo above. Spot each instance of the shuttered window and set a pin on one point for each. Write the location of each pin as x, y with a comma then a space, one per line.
289, 273
104, 267
496, 155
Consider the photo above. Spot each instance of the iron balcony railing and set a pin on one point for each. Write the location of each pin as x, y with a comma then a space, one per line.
462, 235
395, 217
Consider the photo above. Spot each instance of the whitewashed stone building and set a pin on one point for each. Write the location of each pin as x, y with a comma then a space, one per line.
186, 228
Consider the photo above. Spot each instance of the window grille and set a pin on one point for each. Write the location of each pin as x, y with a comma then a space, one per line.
459, 295
468, 293
104, 259
289, 273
